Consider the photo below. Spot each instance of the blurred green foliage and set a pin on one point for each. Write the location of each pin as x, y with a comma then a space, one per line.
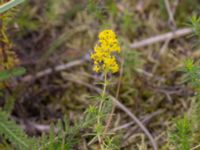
181, 135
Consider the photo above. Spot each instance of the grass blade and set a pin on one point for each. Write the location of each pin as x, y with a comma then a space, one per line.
9, 5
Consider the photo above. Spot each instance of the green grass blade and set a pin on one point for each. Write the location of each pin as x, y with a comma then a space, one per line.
5, 75
9, 5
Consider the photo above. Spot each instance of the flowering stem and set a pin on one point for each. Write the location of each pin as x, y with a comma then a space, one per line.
103, 92
101, 105
117, 95
104, 85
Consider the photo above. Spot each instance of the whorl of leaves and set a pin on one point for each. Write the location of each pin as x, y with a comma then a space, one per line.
12, 132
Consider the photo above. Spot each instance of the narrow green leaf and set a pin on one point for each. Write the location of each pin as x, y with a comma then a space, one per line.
18, 71
5, 75
9, 5
12, 132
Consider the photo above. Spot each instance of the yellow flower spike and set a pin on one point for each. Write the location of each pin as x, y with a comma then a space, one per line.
103, 58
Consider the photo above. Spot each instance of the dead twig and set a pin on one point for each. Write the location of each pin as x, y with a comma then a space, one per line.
170, 14
52, 70
139, 123
195, 147
172, 24
145, 119
162, 37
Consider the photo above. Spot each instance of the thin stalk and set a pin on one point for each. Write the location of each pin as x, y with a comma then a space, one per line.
100, 106
103, 96
110, 117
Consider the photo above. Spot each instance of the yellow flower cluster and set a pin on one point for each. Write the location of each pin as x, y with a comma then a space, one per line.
103, 52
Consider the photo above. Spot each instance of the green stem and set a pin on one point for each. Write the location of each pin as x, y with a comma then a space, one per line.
102, 95
101, 103
104, 85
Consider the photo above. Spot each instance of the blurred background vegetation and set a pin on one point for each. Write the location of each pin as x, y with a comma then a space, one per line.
50, 33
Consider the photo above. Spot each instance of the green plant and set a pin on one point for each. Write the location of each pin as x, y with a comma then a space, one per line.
103, 11
62, 136
194, 23
105, 62
9, 130
95, 10
181, 134
128, 24
7, 74
8, 58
